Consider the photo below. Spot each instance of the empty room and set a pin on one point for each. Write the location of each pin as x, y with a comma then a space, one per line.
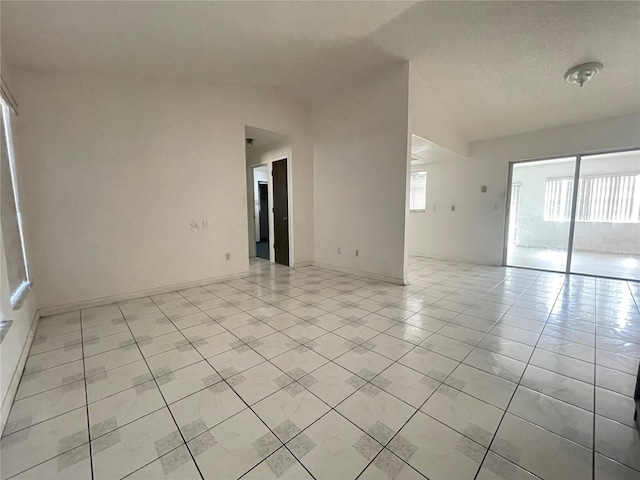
329, 240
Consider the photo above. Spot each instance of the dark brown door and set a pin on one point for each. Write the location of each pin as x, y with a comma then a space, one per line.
281, 212
263, 189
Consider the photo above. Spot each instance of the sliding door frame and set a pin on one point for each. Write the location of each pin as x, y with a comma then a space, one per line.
574, 207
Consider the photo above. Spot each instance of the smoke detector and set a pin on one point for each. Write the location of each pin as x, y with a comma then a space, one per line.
580, 74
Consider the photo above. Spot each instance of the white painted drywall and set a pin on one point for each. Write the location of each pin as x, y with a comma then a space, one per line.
429, 119
14, 342
475, 231
137, 184
360, 174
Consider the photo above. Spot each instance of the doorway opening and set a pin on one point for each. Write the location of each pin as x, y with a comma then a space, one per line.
578, 214
261, 210
268, 157
262, 245
426, 195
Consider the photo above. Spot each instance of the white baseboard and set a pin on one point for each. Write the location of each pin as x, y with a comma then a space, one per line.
70, 307
307, 263
361, 273
7, 402
453, 258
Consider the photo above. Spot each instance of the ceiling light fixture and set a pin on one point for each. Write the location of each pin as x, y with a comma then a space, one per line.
580, 74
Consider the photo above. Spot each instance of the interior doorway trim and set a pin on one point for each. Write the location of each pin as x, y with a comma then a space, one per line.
280, 154
572, 222
251, 204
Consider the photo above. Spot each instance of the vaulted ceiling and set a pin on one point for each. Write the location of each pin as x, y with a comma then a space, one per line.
497, 67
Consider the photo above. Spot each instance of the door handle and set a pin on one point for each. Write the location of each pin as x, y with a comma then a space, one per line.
285, 218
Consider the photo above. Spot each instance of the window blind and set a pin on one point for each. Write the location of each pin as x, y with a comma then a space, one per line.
12, 237
601, 198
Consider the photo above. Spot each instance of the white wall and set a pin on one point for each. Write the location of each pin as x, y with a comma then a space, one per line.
475, 231
14, 343
360, 174
137, 184
429, 119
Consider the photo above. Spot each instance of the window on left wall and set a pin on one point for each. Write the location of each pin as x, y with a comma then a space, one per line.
418, 191
19, 281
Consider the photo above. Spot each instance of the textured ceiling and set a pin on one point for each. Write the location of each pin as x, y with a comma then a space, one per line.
423, 152
262, 138
310, 46
497, 67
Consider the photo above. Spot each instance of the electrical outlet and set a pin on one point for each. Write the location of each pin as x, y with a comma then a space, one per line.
339, 251
453, 208
227, 256
357, 252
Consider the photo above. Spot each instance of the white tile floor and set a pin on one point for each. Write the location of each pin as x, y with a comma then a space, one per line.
469, 373
612, 265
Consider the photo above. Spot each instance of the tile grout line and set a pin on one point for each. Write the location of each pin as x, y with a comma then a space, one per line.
367, 381
163, 398
243, 400
86, 396
539, 335
321, 399
594, 389
520, 380
423, 403
377, 334
85, 406
442, 383
166, 404
331, 408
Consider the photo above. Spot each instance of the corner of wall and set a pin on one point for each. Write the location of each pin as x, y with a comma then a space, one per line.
363, 129
430, 119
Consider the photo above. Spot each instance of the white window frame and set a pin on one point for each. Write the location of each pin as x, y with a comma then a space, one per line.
17, 297
411, 188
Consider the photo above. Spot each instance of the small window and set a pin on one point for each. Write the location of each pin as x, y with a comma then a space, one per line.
12, 234
418, 191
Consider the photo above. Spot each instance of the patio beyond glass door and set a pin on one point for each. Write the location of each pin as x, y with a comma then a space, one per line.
540, 214
590, 226
606, 241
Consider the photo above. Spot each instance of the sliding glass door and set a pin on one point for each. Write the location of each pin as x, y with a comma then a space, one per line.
606, 241
576, 214
540, 210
